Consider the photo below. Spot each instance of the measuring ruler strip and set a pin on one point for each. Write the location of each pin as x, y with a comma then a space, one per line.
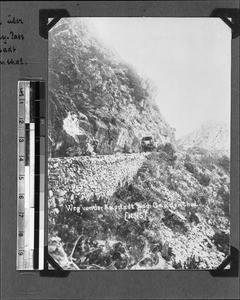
21, 176
39, 172
42, 134
31, 175
37, 182
32, 170
22, 216
28, 264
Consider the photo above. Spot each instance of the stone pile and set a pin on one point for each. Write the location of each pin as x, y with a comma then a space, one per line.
85, 176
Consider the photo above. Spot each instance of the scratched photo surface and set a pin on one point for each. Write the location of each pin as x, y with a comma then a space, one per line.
139, 143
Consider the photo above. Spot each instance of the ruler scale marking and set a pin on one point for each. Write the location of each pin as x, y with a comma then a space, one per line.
28, 228
21, 177
42, 172
31, 175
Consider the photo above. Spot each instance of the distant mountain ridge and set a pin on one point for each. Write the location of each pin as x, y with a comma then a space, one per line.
213, 136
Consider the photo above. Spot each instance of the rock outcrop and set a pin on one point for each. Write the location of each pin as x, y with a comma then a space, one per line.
97, 103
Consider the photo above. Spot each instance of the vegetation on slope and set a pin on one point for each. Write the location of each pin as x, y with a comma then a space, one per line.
93, 95
176, 217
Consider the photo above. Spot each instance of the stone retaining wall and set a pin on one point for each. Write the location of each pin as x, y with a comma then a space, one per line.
85, 176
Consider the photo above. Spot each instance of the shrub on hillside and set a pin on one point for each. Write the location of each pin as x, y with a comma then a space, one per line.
191, 263
224, 162
156, 156
203, 179
225, 196
160, 147
197, 150
165, 153
148, 167
163, 156
169, 149
173, 160
199, 196
172, 185
136, 84
190, 167
203, 198
207, 162
221, 240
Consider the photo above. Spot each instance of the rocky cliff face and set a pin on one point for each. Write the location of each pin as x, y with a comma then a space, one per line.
213, 136
96, 102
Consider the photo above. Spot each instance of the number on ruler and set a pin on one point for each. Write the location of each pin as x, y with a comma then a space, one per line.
21, 196
21, 92
21, 140
21, 159
21, 121
20, 252
21, 177
21, 215
21, 234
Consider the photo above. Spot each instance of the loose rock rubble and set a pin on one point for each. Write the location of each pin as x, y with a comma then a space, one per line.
88, 176
171, 221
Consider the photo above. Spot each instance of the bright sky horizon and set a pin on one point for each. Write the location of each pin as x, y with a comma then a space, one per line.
189, 59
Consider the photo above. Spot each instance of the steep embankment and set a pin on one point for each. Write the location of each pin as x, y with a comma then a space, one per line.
83, 177
173, 214
95, 97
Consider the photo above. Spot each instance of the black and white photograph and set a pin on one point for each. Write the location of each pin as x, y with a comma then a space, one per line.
139, 143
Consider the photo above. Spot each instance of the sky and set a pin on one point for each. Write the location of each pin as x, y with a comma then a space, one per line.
189, 59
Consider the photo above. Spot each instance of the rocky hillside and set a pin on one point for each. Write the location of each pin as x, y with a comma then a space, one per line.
97, 103
172, 214
109, 206
213, 136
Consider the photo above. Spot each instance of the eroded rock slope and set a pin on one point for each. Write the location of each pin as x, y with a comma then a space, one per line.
93, 95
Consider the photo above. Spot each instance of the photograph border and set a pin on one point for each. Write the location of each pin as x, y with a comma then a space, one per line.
108, 284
